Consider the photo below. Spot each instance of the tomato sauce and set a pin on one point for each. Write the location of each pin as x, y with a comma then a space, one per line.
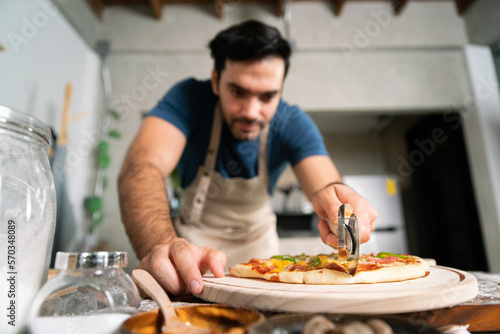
334, 266
367, 267
258, 266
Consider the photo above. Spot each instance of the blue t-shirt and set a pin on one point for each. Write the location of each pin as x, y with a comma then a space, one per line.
189, 106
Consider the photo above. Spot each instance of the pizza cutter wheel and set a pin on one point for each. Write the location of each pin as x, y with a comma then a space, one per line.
348, 234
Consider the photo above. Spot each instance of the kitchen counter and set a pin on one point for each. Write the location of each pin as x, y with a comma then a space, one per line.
482, 314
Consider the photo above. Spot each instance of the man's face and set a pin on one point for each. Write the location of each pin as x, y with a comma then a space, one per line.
249, 93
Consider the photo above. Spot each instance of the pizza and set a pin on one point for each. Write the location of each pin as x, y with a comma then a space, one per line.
329, 269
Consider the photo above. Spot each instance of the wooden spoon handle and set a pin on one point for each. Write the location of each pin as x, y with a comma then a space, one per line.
147, 283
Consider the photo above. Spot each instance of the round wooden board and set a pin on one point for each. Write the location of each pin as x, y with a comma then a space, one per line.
443, 287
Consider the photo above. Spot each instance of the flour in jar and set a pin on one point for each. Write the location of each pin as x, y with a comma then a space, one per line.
25, 241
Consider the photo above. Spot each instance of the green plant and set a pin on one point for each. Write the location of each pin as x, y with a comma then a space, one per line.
94, 204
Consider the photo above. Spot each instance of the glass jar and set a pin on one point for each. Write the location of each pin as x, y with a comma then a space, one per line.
91, 294
27, 211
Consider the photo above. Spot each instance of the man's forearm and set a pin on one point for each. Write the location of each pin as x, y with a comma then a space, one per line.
144, 207
315, 173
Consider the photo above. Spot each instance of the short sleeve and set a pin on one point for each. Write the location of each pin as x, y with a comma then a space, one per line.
300, 137
179, 108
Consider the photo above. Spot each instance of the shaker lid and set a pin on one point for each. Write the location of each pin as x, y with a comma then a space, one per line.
24, 123
66, 260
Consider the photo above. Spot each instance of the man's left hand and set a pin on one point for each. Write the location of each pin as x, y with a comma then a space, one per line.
326, 203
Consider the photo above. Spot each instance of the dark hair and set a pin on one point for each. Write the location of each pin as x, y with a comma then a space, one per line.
250, 40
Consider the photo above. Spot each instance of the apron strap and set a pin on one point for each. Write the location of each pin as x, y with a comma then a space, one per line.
213, 146
200, 196
262, 167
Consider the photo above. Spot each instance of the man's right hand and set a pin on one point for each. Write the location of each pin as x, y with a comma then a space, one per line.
179, 265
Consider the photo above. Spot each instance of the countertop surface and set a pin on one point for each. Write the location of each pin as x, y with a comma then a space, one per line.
482, 314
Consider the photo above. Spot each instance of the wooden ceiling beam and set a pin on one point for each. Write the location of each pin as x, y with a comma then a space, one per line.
219, 8
97, 7
280, 8
398, 5
337, 6
463, 5
156, 5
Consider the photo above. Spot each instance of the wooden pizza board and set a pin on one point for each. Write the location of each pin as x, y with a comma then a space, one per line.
443, 287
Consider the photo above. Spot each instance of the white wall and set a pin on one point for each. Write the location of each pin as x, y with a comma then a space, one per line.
379, 81
43, 53
482, 128
82, 18
366, 58
131, 73
372, 24
370, 59
313, 25
483, 22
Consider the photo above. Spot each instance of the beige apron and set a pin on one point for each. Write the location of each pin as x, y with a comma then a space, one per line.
232, 215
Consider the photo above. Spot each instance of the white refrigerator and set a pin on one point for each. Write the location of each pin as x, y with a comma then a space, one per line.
383, 193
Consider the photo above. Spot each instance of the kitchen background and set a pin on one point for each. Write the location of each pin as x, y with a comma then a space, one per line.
408, 99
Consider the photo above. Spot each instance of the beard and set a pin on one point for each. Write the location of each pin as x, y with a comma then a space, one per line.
244, 128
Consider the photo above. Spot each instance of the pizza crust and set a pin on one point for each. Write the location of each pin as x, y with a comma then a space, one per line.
389, 273
385, 274
245, 270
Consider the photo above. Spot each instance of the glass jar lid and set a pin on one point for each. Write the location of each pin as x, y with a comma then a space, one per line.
24, 124
85, 260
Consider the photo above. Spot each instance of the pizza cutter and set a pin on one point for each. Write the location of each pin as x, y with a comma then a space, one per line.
348, 234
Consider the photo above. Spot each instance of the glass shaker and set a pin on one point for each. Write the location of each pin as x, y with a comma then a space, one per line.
27, 215
90, 294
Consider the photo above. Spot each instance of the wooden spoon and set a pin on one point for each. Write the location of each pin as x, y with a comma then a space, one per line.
172, 322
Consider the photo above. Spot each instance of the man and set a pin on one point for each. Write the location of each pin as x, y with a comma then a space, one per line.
230, 138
